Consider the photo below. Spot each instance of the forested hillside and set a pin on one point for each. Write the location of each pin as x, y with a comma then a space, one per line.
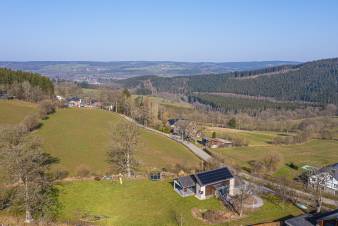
25, 85
242, 104
315, 81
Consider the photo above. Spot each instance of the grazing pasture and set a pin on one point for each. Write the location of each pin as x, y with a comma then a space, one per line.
81, 137
14, 111
316, 153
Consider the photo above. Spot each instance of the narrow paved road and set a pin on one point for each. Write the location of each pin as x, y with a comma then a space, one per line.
193, 148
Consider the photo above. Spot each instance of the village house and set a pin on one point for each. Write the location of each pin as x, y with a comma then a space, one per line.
216, 143
186, 129
5, 96
60, 98
74, 102
327, 177
171, 123
206, 184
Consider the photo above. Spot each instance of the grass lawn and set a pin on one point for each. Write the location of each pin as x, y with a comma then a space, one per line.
316, 153
271, 211
82, 136
14, 111
143, 202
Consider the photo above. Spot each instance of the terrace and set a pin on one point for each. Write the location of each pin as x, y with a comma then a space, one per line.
185, 186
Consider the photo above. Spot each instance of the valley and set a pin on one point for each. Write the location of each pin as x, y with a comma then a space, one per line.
85, 128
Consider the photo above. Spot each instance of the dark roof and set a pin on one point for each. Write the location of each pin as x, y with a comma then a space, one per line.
73, 99
187, 181
172, 121
299, 221
213, 176
182, 123
312, 219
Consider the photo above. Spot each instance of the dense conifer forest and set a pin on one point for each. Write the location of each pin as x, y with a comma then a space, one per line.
238, 104
25, 85
315, 81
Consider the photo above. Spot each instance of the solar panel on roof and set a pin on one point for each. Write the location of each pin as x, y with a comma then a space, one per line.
214, 176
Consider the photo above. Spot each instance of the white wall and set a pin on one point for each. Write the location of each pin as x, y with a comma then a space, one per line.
232, 187
200, 192
330, 182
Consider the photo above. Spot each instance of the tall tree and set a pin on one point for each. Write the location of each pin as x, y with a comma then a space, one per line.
28, 167
121, 153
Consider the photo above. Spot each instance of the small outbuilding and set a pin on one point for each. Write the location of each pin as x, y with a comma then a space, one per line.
216, 142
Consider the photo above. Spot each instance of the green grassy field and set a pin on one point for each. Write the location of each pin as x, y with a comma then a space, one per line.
316, 153
144, 202
255, 138
14, 111
171, 103
82, 137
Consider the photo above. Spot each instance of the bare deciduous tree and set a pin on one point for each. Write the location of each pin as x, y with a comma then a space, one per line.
46, 107
27, 167
124, 141
318, 180
271, 161
245, 189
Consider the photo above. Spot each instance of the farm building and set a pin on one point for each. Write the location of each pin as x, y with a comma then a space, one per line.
206, 184
216, 142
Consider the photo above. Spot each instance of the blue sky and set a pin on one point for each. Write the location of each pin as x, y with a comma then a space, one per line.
179, 30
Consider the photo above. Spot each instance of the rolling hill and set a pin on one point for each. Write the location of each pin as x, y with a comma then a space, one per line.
14, 111
315, 81
80, 138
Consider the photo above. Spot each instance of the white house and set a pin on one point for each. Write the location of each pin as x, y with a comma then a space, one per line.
74, 102
60, 98
327, 177
206, 184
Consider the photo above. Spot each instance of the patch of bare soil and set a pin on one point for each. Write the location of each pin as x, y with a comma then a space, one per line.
249, 200
213, 216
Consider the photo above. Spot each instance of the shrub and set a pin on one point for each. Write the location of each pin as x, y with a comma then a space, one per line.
31, 122
46, 107
292, 166
213, 134
232, 123
82, 171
